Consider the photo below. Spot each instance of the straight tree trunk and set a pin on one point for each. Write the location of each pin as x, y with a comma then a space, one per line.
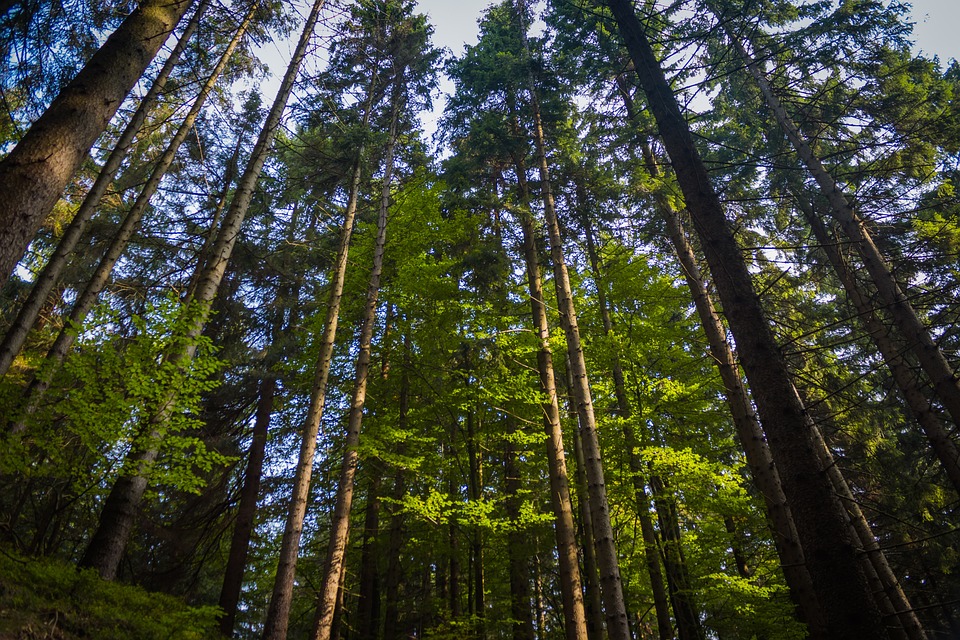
678, 576
625, 412
35, 173
340, 521
888, 593
575, 624
593, 605
759, 459
368, 601
611, 588
29, 311
392, 580
749, 432
131, 222
945, 381
943, 445
247, 510
119, 512
278, 613
520, 598
476, 542
829, 548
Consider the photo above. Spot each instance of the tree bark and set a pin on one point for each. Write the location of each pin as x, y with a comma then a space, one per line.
575, 625
117, 518
278, 614
675, 563
625, 412
131, 222
919, 406
340, 521
945, 381
29, 311
520, 603
476, 543
749, 432
393, 578
593, 604
368, 600
247, 509
34, 175
611, 588
829, 548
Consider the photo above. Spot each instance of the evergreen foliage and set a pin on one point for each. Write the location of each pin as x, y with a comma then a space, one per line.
197, 376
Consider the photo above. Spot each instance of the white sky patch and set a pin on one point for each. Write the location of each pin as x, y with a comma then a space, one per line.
455, 26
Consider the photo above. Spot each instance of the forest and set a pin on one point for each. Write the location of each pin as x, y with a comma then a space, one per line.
651, 335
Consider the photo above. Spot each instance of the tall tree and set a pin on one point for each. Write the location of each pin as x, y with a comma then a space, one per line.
35, 173
119, 512
27, 315
830, 551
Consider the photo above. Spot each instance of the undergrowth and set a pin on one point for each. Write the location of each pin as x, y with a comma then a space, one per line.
43, 599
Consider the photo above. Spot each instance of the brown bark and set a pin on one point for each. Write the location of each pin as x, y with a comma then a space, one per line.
475, 487
340, 521
30, 309
943, 445
675, 563
116, 522
759, 459
520, 597
945, 381
35, 173
131, 222
625, 412
368, 600
247, 509
830, 550
575, 625
391, 629
611, 588
278, 613
593, 604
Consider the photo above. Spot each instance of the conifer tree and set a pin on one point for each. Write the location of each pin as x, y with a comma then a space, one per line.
35, 173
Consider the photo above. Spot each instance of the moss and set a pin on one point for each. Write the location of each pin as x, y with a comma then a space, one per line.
48, 600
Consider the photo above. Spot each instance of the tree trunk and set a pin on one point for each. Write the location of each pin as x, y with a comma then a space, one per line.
917, 336
116, 522
340, 521
476, 543
278, 614
759, 459
520, 610
678, 576
611, 588
34, 175
391, 629
593, 604
575, 625
830, 550
88, 298
943, 445
888, 593
27, 315
247, 509
625, 412
368, 601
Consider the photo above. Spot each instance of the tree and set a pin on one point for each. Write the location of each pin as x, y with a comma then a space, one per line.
35, 173
842, 591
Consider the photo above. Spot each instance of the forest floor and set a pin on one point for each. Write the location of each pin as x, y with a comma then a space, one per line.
49, 600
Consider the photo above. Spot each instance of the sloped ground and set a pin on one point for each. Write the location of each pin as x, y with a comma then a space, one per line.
47, 600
